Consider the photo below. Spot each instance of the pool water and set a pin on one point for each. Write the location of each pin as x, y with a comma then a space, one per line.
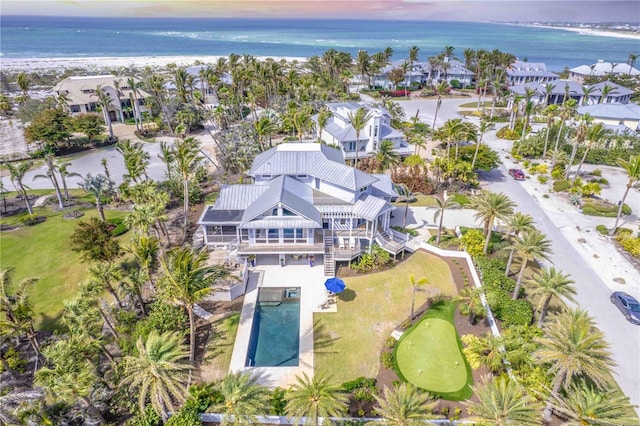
275, 334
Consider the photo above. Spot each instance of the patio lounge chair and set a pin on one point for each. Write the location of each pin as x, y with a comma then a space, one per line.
341, 245
352, 243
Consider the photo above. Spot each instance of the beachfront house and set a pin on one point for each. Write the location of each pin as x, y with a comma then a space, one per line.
616, 117
607, 92
525, 72
340, 132
304, 202
425, 74
554, 92
602, 68
78, 94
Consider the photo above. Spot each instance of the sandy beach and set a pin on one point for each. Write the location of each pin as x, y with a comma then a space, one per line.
99, 63
589, 31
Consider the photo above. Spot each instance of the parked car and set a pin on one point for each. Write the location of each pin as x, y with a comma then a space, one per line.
517, 174
628, 305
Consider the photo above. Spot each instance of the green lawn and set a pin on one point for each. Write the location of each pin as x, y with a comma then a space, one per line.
43, 251
348, 343
421, 201
429, 355
220, 348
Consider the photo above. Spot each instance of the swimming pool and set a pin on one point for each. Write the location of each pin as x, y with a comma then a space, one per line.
275, 333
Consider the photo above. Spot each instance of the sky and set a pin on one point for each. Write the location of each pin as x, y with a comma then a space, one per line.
460, 10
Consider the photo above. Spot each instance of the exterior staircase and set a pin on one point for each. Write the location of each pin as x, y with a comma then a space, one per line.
388, 243
329, 262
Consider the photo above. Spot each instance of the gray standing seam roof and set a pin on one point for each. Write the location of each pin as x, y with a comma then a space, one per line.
369, 207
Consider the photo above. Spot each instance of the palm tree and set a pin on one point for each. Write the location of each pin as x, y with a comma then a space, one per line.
23, 81
490, 206
358, 120
64, 174
414, 286
404, 405
573, 347
585, 405
530, 245
483, 127
565, 113
158, 372
242, 399
548, 284
502, 401
413, 57
16, 173
579, 138
51, 175
440, 89
606, 89
105, 101
632, 168
187, 280
108, 276
186, 154
469, 302
315, 398
136, 159
404, 191
551, 112
386, 156
101, 187
595, 134
264, 127
518, 223
450, 132
323, 119
442, 204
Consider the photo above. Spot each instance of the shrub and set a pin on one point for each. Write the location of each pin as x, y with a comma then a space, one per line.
31, 219
119, 226
538, 169
543, 179
406, 324
390, 343
402, 230
516, 312
629, 243
603, 209
596, 172
558, 172
387, 359
507, 133
363, 394
561, 185
602, 229
13, 359
473, 242
461, 199
358, 383
395, 93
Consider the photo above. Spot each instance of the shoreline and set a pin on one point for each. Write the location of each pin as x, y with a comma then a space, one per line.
98, 63
585, 31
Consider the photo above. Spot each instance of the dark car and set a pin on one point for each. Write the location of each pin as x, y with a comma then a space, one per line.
517, 174
628, 305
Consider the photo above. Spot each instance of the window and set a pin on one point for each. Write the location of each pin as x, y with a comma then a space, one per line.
375, 131
75, 108
352, 146
286, 212
274, 212
302, 176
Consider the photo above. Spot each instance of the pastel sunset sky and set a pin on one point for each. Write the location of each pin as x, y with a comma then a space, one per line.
462, 10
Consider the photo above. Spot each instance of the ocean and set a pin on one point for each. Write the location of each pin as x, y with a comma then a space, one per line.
38, 37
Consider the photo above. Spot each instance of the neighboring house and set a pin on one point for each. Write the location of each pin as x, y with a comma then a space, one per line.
340, 132
424, 74
524, 72
614, 115
304, 201
600, 69
614, 94
79, 95
559, 90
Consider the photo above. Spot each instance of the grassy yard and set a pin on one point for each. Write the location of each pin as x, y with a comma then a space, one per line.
421, 201
429, 355
220, 348
348, 343
43, 251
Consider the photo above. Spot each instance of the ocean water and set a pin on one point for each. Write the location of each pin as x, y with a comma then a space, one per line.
24, 37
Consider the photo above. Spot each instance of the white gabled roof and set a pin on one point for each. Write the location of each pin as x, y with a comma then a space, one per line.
601, 68
614, 111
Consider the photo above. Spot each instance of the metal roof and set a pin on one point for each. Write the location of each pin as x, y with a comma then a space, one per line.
615, 111
212, 215
238, 197
616, 92
384, 186
601, 68
281, 222
370, 207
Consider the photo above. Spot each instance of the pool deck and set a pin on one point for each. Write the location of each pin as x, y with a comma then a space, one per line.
268, 273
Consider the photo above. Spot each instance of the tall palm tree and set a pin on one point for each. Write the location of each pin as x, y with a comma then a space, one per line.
105, 101
358, 120
63, 171
632, 61
323, 119
450, 132
413, 57
404, 405
518, 223
158, 372
502, 401
101, 187
186, 280
595, 134
482, 128
404, 191
186, 153
50, 174
108, 275
23, 81
387, 156
490, 206
579, 137
548, 284
551, 112
442, 204
414, 287
632, 168
16, 173
242, 399
584, 404
565, 112
134, 87
315, 398
264, 127
529, 246
440, 89
573, 347
606, 89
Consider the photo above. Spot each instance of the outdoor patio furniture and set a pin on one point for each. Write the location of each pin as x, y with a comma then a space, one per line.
341, 244
352, 243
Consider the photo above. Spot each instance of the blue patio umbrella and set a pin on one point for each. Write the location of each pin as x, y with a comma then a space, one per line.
335, 285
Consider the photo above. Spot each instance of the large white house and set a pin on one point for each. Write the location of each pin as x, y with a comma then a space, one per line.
340, 132
525, 72
425, 74
615, 116
305, 201
79, 95
602, 68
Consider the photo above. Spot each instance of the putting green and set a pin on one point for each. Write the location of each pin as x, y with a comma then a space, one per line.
429, 356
